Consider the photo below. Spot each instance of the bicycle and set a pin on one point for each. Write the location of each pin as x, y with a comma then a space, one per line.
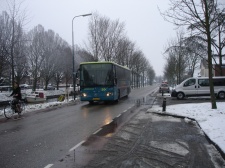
10, 109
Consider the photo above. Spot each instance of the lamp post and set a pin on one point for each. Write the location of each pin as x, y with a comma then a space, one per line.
74, 53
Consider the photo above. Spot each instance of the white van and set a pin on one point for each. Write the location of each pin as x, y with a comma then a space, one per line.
199, 86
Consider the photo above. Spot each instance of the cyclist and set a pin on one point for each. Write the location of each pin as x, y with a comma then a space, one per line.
16, 97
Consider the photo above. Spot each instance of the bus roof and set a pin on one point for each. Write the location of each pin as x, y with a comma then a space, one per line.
105, 62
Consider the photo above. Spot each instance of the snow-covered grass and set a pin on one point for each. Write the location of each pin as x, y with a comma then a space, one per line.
39, 106
211, 121
4, 95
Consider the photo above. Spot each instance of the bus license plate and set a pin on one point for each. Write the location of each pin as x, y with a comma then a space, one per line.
96, 99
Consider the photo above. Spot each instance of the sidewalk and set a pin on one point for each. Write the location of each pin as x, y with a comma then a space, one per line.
146, 140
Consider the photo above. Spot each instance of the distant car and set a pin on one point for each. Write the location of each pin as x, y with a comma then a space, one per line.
24, 86
5, 88
164, 87
49, 87
77, 88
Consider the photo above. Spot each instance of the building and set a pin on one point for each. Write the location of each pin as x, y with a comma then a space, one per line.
204, 71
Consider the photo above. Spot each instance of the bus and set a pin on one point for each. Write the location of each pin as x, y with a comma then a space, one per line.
103, 81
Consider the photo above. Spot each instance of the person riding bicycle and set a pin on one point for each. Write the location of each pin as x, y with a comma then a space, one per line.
16, 96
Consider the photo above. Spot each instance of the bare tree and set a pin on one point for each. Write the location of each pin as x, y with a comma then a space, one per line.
36, 52
124, 50
20, 59
67, 64
104, 36
195, 49
4, 44
202, 17
60, 59
17, 18
48, 67
170, 69
218, 41
176, 60
150, 75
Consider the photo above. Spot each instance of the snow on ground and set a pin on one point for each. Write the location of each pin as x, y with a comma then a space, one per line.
211, 121
36, 106
4, 95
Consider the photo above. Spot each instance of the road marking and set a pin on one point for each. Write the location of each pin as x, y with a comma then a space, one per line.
118, 115
97, 131
48, 166
73, 148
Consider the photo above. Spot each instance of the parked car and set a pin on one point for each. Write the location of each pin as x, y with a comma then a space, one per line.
77, 88
24, 86
164, 87
49, 87
5, 88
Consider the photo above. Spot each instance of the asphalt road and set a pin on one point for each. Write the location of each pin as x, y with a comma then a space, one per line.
43, 137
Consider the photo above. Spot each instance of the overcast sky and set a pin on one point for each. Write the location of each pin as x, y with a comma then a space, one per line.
143, 23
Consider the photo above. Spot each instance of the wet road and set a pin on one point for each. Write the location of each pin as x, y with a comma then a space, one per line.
43, 137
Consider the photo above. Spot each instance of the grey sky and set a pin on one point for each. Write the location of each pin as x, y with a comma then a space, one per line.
143, 23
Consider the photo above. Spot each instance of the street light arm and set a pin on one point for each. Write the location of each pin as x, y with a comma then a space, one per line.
82, 15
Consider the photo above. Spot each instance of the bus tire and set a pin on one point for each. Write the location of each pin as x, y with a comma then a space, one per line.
91, 102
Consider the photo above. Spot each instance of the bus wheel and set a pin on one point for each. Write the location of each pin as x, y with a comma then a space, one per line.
180, 95
91, 102
221, 95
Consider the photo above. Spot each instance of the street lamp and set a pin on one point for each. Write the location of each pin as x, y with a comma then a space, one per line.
74, 53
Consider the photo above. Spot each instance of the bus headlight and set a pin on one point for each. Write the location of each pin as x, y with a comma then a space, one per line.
109, 94
84, 94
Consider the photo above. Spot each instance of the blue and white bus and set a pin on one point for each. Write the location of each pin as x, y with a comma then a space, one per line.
103, 81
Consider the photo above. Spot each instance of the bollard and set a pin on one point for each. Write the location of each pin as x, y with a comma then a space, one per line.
138, 103
164, 104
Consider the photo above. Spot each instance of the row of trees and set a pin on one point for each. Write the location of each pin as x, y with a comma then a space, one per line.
204, 22
44, 56
39, 54
108, 42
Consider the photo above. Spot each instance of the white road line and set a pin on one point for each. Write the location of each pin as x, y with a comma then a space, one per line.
97, 131
73, 148
118, 115
48, 166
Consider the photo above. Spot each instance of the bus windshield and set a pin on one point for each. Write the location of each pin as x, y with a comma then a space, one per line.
96, 75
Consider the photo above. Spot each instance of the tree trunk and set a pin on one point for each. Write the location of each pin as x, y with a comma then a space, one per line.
212, 94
